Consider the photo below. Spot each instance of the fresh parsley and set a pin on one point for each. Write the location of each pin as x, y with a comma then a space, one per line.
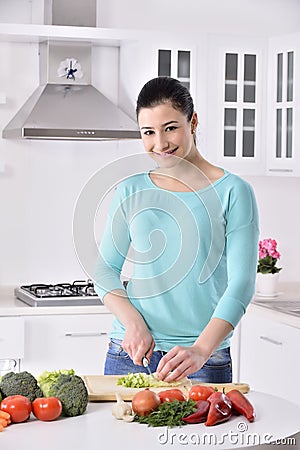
169, 414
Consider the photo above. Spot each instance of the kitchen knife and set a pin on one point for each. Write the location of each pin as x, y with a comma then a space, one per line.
146, 365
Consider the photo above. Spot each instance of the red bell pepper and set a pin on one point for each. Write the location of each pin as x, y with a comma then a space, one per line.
200, 414
220, 408
241, 404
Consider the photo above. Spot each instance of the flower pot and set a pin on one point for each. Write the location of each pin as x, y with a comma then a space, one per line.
267, 284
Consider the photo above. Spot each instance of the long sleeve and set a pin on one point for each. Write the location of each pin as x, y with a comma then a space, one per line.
242, 234
113, 249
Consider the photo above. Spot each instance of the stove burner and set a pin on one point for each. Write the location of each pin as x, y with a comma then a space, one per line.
78, 288
76, 293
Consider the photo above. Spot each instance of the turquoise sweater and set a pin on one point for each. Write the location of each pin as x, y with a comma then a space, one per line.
194, 255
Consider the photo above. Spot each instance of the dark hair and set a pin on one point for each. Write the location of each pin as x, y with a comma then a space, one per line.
163, 90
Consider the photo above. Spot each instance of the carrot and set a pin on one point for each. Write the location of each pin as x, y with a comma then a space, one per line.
1, 427
4, 415
3, 422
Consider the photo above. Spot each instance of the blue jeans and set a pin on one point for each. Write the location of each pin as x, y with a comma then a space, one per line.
217, 369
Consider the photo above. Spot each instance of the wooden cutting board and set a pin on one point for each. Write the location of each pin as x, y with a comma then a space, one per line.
103, 387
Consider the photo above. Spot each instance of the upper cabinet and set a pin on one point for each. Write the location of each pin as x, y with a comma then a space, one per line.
284, 106
236, 99
175, 63
144, 59
254, 105
240, 106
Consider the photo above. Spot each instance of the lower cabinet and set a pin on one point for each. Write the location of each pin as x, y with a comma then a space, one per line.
269, 361
11, 344
76, 342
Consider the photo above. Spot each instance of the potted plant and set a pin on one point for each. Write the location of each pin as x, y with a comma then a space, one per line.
267, 271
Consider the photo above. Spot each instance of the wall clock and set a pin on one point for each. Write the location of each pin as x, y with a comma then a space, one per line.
70, 69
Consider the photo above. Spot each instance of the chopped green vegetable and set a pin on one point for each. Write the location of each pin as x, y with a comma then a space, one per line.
143, 380
46, 379
169, 414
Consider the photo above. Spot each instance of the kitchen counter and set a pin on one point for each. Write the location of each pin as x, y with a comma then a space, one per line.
11, 306
97, 428
287, 292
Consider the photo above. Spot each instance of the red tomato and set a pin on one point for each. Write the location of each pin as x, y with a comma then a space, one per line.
171, 394
198, 392
47, 408
18, 406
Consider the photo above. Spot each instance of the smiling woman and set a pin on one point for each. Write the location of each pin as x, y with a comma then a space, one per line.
193, 228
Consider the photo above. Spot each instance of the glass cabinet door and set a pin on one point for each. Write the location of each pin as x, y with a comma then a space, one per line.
176, 64
284, 105
164, 63
283, 109
239, 105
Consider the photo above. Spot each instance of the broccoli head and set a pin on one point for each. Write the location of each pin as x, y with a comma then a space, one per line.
72, 392
22, 383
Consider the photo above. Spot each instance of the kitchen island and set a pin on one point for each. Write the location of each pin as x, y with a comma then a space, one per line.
276, 419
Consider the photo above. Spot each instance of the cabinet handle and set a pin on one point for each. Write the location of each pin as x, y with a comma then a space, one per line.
272, 341
86, 334
281, 170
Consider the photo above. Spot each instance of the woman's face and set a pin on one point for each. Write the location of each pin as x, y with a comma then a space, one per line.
166, 133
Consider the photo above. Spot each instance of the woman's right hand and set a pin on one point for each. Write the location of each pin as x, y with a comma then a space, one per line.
138, 342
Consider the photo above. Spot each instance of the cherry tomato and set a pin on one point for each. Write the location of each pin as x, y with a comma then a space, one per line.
18, 406
198, 392
170, 395
47, 408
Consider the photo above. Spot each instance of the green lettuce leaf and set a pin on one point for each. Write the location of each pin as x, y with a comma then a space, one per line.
46, 379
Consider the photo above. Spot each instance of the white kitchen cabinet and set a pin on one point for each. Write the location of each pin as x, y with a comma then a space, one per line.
11, 337
268, 360
283, 150
77, 341
161, 55
236, 75
11, 343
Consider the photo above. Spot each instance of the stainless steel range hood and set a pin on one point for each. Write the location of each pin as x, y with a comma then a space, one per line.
66, 105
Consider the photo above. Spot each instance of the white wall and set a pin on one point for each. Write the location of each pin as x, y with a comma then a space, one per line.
278, 200
255, 17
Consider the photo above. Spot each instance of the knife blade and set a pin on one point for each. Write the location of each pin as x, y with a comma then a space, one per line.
146, 365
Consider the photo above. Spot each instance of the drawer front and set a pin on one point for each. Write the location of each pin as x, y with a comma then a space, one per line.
64, 342
269, 361
11, 337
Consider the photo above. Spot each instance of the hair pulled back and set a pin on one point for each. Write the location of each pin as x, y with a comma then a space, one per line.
165, 90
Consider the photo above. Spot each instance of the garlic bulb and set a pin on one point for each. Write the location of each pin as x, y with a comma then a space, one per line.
122, 410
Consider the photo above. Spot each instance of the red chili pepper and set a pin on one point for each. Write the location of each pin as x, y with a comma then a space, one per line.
220, 408
200, 414
241, 404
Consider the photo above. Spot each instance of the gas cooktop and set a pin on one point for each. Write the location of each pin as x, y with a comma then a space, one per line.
78, 293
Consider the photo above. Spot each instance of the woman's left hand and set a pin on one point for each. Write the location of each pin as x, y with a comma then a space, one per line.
179, 363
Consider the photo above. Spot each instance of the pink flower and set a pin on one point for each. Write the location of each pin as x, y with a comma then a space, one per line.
268, 247
268, 256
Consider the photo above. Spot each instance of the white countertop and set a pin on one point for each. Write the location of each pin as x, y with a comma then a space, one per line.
11, 306
97, 428
287, 292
